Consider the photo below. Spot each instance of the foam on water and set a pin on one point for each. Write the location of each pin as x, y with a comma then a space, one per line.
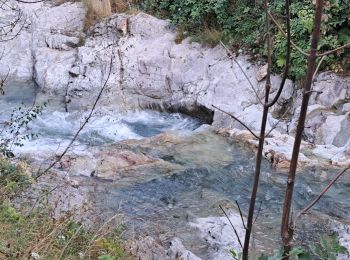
55, 129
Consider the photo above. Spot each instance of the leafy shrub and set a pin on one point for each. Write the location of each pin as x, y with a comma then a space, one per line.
13, 132
242, 26
13, 179
327, 249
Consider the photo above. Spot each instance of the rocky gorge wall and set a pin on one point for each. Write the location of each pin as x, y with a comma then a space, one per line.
149, 70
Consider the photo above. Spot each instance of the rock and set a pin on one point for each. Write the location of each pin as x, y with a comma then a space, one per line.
262, 72
148, 249
74, 183
150, 70
111, 163
74, 71
335, 90
343, 231
178, 251
346, 107
52, 69
61, 42
219, 236
335, 130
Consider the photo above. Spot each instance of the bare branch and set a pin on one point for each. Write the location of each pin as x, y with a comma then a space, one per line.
276, 124
285, 35
241, 214
238, 120
233, 227
286, 69
258, 214
307, 208
244, 73
287, 231
318, 67
82, 126
259, 156
334, 50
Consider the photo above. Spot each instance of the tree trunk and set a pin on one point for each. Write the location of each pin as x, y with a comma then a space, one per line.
259, 155
287, 226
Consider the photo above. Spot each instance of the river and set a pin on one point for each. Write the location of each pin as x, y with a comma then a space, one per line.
193, 171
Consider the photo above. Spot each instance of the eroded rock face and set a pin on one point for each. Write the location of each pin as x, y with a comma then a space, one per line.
149, 70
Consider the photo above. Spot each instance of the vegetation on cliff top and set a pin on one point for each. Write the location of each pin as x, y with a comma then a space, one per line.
240, 24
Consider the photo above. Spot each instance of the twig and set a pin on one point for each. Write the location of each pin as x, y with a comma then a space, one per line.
241, 214
244, 73
258, 214
238, 120
318, 67
307, 208
285, 35
276, 124
70, 240
96, 235
288, 54
82, 126
334, 50
233, 227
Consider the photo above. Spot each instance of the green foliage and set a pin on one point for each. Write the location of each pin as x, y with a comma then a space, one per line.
242, 25
8, 214
81, 42
14, 132
328, 248
13, 179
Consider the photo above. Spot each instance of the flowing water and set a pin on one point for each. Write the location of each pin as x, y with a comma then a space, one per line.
204, 170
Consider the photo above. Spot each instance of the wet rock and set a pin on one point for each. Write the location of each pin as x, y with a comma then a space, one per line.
218, 234
178, 251
114, 163
148, 249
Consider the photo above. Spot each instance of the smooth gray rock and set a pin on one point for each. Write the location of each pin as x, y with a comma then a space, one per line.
149, 70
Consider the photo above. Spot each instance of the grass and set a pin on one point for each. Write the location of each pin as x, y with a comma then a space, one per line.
208, 37
34, 234
96, 10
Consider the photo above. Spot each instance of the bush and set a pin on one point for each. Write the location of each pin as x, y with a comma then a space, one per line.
13, 179
242, 26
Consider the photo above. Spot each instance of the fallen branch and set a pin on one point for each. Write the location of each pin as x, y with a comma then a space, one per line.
238, 120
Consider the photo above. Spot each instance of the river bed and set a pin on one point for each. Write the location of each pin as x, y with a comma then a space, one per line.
180, 171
